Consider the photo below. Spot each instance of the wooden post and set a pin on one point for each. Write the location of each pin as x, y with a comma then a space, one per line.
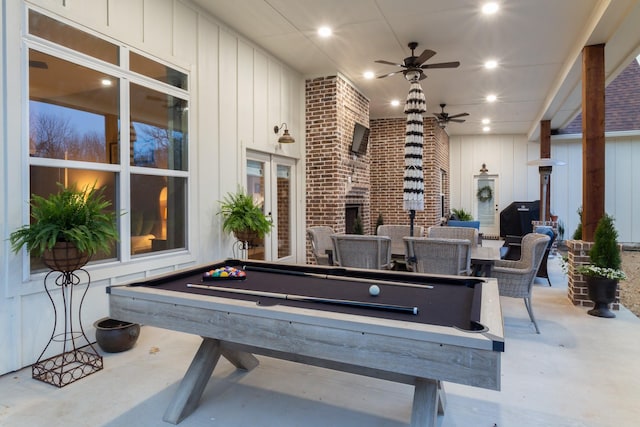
545, 153
593, 141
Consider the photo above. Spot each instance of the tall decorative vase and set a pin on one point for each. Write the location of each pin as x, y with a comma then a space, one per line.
602, 292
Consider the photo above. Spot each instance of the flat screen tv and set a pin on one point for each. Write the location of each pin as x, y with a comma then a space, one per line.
360, 139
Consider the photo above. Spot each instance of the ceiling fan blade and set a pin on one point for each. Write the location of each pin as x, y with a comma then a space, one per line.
382, 61
442, 65
426, 54
457, 120
459, 115
389, 75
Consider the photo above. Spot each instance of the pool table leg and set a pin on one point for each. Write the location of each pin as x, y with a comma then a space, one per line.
240, 359
428, 402
195, 380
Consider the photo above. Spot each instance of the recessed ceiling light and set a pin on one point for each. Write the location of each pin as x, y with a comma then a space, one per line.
106, 82
491, 64
324, 31
368, 75
490, 8
395, 102
486, 121
486, 129
491, 98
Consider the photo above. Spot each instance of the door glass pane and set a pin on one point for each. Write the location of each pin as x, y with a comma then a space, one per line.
160, 124
284, 210
486, 201
73, 111
158, 213
255, 187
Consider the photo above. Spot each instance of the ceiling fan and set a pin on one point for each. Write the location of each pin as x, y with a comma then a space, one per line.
413, 65
444, 118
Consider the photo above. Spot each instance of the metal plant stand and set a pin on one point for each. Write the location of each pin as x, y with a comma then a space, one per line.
79, 357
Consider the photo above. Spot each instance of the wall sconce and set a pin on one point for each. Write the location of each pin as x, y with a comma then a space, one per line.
285, 138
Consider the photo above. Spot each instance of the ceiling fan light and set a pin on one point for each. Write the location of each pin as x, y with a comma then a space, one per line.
412, 75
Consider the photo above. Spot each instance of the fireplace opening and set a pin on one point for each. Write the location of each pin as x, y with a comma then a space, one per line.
351, 212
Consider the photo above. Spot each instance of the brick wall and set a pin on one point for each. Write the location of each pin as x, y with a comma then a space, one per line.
578, 255
387, 169
336, 177
334, 173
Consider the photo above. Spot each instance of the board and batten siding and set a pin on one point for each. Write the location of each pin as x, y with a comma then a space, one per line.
238, 93
507, 156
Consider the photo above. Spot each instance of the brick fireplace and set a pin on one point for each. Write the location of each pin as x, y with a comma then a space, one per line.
340, 183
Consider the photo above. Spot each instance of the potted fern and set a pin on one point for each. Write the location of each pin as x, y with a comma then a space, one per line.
604, 271
68, 227
243, 217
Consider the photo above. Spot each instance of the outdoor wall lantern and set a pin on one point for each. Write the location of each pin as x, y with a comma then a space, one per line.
285, 138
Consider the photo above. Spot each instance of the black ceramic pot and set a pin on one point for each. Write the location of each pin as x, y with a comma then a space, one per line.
114, 336
602, 292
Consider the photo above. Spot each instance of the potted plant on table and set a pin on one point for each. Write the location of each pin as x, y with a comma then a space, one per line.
244, 217
604, 271
68, 227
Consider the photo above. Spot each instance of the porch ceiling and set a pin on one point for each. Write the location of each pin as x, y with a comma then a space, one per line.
537, 45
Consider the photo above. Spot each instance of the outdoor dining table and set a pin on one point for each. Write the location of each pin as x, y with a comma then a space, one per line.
483, 259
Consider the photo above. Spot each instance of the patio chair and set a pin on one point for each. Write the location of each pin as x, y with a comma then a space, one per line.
439, 256
449, 232
355, 250
515, 278
512, 248
320, 238
542, 270
396, 233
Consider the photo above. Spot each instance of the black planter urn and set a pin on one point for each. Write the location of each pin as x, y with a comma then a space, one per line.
114, 336
602, 292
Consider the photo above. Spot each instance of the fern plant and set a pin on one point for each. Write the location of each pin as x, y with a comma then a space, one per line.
462, 215
80, 217
241, 213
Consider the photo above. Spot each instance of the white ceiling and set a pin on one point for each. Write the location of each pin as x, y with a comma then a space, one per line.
536, 43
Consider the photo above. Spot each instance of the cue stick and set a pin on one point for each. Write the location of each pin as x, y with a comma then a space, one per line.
291, 297
334, 277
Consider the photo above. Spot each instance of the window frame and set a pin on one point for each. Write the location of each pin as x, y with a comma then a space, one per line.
123, 170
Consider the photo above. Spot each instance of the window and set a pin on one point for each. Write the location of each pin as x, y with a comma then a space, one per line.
78, 135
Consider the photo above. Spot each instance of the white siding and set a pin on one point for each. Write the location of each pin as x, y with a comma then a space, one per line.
507, 156
239, 93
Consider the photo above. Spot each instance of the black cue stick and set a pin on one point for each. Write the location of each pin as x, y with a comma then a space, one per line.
291, 297
333, 277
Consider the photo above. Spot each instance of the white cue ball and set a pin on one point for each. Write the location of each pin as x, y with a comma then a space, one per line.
374, 290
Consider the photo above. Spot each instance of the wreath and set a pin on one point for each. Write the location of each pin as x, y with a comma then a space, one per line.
485, 193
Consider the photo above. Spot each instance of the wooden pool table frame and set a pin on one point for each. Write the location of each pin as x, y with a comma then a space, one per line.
412, 353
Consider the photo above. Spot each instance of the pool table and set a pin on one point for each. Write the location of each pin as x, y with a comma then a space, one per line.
420, 329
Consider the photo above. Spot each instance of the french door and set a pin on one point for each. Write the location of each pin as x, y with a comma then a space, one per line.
486, 203
271, 181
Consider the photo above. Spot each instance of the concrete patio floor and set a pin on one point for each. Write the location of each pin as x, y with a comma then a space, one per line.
580, 371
